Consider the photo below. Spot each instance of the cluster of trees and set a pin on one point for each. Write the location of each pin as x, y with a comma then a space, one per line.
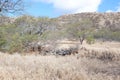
15, 36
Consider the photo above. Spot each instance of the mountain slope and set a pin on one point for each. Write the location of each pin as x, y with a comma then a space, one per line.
99, 19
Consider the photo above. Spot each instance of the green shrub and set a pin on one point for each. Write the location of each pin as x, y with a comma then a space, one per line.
18, 42
2, 43
90, 39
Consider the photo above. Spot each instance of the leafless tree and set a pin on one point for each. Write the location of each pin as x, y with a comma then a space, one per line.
11, 6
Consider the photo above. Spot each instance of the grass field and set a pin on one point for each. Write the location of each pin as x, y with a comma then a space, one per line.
100, 61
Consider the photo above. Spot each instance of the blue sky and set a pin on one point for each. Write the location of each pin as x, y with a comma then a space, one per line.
55, 8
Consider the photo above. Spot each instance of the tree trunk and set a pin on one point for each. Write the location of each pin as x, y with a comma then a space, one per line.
81, 40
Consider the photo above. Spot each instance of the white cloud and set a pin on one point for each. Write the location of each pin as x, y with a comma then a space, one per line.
109, 11
118, 8
74, 6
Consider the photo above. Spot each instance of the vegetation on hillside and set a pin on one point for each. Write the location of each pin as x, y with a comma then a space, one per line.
16, 34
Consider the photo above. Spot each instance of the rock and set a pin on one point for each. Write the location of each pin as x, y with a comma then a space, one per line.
68, 51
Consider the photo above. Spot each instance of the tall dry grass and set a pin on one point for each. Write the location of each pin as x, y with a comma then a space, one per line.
92, 63
17, 67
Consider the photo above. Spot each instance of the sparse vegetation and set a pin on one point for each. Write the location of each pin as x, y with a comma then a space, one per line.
107, 35
73, 47
27, 29
90, 63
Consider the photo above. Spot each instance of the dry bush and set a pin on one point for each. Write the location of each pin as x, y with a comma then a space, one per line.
100, 53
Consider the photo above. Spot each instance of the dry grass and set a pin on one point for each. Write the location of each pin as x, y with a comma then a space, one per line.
89, 66
16, 67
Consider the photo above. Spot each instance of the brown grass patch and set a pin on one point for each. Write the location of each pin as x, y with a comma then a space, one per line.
92, 63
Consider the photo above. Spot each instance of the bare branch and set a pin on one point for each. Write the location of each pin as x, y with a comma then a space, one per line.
11, 6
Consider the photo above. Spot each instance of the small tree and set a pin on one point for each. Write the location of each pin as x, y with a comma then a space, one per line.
80, 29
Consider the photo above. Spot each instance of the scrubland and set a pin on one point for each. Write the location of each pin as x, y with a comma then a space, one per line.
100, 61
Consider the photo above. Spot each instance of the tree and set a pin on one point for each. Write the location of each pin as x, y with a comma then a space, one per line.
11, 6
80, 29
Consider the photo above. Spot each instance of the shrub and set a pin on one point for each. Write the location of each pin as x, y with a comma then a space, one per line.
18, 42
2, 43
90, 39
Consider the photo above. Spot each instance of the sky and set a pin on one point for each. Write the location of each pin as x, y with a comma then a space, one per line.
56, 8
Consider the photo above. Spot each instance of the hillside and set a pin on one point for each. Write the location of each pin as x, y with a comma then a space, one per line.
110, 19
99, 19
